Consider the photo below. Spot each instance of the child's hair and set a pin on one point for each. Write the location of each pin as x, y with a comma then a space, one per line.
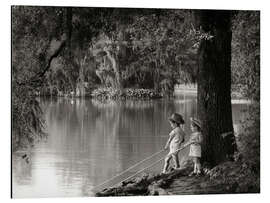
178, 124
177, 118
197, 127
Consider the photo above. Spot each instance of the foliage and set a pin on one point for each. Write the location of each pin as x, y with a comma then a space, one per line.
249, 140
157, 48
246, 72
163, 42
27, 118
236, 176
42, 59
35, 37
246, 53
153, 50
114, 93
243, 175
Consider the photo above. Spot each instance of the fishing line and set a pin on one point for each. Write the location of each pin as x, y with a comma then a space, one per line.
143, 168
129, 168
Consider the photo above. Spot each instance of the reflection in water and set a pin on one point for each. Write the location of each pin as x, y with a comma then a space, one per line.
90, 142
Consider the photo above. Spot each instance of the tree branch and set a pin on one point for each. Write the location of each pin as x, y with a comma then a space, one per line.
56, 52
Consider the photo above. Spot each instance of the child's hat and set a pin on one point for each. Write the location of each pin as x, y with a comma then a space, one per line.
177, 118
196, 122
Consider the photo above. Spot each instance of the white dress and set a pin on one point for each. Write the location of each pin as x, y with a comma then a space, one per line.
178, 136
195, 149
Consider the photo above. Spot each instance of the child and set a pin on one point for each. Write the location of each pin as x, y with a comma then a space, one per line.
195, 145
176, 138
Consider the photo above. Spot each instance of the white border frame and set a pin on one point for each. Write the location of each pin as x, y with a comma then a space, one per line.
193, 4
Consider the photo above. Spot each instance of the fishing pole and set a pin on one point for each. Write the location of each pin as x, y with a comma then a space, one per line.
151, 164
129, 168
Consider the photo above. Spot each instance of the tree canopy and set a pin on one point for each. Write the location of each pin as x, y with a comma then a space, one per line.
72, 50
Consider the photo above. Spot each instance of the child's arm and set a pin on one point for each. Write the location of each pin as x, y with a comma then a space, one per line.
198, 139
172, 134
191, 140
183, 135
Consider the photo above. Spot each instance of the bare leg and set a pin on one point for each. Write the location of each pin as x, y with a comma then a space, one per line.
194, 168
176, 160
167, 162
198, 166
195, 164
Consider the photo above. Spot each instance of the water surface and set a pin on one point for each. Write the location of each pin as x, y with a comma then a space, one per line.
90, 142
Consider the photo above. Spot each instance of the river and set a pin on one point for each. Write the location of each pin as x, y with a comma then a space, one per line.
89, 142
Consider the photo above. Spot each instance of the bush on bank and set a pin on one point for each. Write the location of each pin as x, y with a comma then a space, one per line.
112, 93
244, 173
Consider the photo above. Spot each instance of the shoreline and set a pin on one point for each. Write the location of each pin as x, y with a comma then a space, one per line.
222, 179
233, 100
106, 94
146, 184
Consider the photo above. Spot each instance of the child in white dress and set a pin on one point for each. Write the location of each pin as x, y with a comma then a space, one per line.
176, 138
195, 145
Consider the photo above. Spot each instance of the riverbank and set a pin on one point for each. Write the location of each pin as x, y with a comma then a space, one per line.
226, 178
146, 184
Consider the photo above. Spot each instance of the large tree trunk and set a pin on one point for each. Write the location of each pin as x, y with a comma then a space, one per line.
214, 86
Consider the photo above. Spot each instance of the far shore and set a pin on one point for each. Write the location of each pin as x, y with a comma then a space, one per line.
191, 89
188, 89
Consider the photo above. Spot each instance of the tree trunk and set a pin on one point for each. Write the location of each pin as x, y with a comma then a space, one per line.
80, 84
156, 76
214, 86
116, 69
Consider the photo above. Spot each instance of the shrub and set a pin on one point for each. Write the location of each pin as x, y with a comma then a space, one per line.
249, 140
27, 118
112, 93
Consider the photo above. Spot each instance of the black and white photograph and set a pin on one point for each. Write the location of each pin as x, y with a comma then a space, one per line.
125, 101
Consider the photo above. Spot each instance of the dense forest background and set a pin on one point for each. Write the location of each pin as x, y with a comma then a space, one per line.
66, 51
